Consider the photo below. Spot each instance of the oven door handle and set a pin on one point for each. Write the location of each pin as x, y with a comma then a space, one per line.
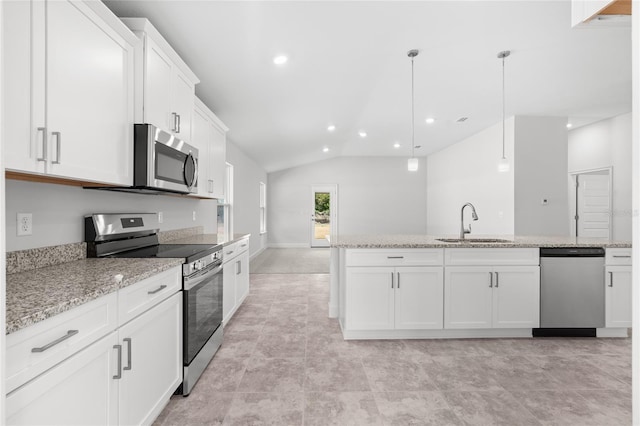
194, 280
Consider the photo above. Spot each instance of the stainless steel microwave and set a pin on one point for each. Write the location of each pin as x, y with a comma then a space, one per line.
163, 162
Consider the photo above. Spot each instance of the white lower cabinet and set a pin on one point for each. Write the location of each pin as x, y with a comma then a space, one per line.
78, 391
125, 377
618, 296
386, 298
235, 277
491, 297
151, 362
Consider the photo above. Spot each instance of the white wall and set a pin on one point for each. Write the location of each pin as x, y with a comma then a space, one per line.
376, 195
607, 143
540, 169
246, 196
468, 172
58, 211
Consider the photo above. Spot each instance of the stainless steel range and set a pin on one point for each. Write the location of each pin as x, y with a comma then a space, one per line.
136, 235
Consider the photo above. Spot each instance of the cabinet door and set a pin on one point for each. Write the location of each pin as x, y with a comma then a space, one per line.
78, 391
151, 361
228, 290
89, 96
182, 101
157, 83
202, 138
618, 296
217, 165
370, 298
516, 297
418, 298
242, 277
468, 292
23, 45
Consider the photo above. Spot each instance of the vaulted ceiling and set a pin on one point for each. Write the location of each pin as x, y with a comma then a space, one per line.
348, 66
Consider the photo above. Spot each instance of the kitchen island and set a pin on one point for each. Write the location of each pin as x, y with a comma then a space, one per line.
419, 286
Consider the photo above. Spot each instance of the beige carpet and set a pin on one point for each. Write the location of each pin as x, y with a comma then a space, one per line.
291, 261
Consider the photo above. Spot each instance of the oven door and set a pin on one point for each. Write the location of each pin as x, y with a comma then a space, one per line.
202, 309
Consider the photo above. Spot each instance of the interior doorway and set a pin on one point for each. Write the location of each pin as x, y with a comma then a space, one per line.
592, 203
324, 209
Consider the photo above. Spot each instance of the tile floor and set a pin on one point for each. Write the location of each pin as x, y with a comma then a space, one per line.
283, 362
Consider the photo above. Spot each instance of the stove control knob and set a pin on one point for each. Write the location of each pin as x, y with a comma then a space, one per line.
197, 265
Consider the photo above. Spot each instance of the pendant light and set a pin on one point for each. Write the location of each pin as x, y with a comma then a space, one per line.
503, 164
412, 164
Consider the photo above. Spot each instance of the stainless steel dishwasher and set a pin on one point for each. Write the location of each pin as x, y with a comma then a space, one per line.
571, 291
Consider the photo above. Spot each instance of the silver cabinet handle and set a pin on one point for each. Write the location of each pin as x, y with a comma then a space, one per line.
238, 267
210, 185
58, 140
174, 116
128, 340
229, 252
610, 279
69, 334
178, 126
243, 245
119, 373
162, 287
392, 280
44, 144
398, 283
490, 279
625, 256
395, 257
497, 279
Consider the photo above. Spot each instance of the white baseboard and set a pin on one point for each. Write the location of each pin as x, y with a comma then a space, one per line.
288, 245
254, 255
612, 332
436, 334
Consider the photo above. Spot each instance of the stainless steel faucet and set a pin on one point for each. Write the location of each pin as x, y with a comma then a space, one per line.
474, 216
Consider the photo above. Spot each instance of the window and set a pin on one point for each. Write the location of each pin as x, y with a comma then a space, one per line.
263, 207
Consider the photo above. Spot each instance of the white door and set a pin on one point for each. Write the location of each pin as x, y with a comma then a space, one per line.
618, 296
78, 391
151, 362
369, 299
324, 211
516, 297
228, 290
468, 293
157, 87
418, 298
593, 204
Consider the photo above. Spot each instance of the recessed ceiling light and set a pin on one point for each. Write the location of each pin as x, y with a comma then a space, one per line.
396, 145
569, 125
280, 60
430, 120
325, 149
331, 128
362, 134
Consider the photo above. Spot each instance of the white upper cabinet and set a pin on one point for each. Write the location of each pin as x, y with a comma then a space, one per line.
165, 91
68, 69
209, 136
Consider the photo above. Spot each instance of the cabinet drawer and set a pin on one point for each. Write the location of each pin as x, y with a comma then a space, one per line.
139, 297
232, 250
394, 257
618, 256
57, 338
492, 256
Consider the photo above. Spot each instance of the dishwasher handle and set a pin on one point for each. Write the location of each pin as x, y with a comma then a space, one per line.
572, 252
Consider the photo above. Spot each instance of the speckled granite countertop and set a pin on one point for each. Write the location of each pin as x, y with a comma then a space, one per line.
431, 241
38, 294
209, 239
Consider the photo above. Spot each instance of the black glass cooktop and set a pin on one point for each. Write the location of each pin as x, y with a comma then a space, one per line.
190, 252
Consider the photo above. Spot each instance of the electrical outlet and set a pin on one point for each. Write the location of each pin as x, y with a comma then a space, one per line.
194, 215
160, 217
24, 224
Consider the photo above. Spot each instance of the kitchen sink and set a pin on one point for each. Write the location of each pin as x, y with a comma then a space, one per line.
473, 240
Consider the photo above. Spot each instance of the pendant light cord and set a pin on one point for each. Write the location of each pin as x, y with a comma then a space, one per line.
503, 107
413, 131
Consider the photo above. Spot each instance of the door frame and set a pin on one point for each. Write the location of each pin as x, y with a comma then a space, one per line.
332, 189
573, 197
